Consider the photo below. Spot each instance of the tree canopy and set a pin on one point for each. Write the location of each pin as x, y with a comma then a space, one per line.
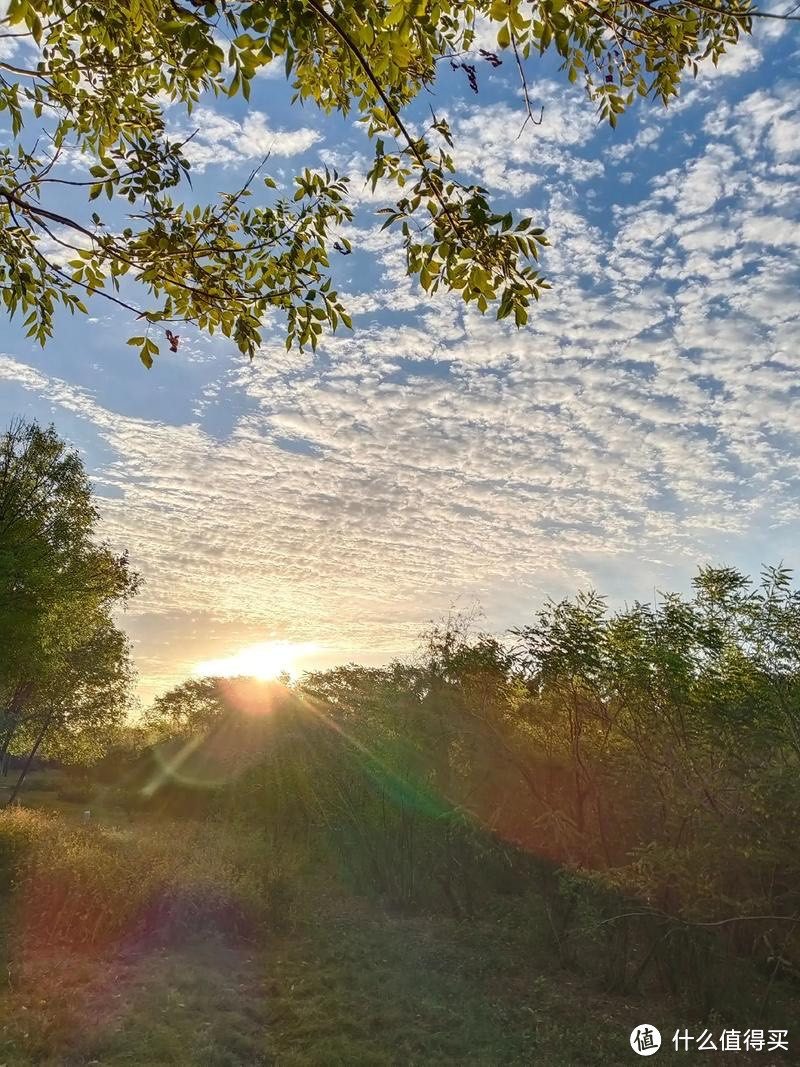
93, 96
192, 707
64, 665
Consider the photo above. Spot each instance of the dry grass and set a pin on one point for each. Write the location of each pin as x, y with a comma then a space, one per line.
94, 885
133, 944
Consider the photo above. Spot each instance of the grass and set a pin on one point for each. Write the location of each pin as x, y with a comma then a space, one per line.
131, 944
45, 790
355, 985
184, 1005
321, 978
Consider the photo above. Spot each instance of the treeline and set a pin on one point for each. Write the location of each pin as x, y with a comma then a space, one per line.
632, 775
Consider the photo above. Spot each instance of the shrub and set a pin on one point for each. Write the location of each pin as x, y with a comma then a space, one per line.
75, 794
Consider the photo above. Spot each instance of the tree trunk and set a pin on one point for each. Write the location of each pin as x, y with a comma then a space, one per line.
13, 712
29, 760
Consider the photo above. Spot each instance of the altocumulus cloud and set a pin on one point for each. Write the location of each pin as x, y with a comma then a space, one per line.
645, 421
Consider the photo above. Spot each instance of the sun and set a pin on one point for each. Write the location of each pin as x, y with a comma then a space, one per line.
264, 661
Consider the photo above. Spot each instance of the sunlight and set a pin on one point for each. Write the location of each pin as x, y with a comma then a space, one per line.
264, 661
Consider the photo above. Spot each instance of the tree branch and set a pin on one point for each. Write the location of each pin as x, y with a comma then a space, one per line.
529, 117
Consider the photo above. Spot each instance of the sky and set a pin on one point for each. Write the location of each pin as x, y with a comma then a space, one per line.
331, 505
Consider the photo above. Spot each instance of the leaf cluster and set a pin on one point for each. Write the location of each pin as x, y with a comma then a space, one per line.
100, 76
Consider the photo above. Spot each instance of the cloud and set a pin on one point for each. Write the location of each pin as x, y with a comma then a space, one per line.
491, 142
646, 420
741, 59
224, 141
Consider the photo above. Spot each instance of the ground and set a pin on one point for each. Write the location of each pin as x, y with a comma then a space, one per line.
339, 980
349, 984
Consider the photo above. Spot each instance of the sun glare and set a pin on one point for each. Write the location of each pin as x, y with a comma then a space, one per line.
263, 661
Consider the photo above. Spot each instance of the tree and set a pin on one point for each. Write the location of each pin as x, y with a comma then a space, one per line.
193, 707
101, 74
62, 660
80, 706
673, 724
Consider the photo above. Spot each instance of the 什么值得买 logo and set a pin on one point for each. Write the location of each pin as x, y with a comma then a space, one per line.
645, 1039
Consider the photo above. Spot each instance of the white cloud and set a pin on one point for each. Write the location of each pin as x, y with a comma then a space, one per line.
492, 143
744, 57
223, 141
648, 413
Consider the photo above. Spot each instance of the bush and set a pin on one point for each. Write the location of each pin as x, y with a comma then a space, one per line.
44, 783
75, 794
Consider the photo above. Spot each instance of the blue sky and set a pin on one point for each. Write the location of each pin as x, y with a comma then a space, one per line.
645, 422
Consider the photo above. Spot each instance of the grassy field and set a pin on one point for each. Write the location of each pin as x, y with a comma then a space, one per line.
343, 982
326, 978
41, 791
